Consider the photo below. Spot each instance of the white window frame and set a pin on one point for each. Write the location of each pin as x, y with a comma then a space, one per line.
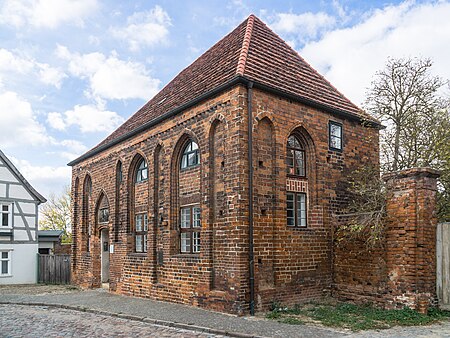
10, 214
8, 259
299, 209
190, 229
140, 232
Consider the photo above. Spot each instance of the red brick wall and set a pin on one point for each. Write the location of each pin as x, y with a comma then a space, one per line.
402, 270
291, 265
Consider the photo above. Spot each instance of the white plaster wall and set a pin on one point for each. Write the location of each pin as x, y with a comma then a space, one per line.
6, 175
18, 221
23, 264
20, 235
28, 208
31, 221
18, 191
2, 190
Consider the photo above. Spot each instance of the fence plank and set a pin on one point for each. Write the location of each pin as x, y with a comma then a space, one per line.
54, 269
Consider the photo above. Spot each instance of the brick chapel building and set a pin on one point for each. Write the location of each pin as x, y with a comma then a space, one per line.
219, 192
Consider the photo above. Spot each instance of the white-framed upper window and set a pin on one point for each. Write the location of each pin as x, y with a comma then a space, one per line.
5, 263
5, 215
335, 135
142, 172
191, 156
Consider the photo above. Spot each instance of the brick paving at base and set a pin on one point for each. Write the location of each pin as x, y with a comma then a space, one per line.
42, 321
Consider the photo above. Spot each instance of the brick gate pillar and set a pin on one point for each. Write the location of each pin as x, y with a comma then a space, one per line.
411, 237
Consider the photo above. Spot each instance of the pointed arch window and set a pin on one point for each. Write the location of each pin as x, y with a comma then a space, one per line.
190, 156
142, 171
296, 157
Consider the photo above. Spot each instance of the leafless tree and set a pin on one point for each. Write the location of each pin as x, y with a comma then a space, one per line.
404, 97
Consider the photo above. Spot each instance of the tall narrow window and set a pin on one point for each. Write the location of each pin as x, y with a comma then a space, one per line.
190, 156
5, 215
296, 159
335, 135
5, 263
142, 171
119, 172
190, 226
296, 209
141, 230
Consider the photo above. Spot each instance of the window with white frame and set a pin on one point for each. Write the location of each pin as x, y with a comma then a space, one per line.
296, 209
5, 263
191, 156
142, 171
335, 135
140, 234
190, 226
5, 215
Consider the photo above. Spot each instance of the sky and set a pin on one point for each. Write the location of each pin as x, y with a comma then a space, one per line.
71, 71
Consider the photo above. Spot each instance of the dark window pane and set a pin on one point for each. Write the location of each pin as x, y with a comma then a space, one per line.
5, 207
5, 220
4, 267
4, 255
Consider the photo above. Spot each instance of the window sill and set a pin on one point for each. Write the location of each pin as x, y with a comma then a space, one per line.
296, 176
138, 254
5, 276
297, 228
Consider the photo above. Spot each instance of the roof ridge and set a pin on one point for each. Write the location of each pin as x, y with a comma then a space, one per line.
240, 69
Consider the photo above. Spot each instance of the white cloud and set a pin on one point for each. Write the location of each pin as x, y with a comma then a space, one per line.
12, 64
50, 75
305, 26
89, 118
18, 125
45, 179
147, 28
45, 13
109, 77
350, 57
56, 121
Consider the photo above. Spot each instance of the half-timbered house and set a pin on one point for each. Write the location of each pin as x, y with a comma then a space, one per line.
18, 226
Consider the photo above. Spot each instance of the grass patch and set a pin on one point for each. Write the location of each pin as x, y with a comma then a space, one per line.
353, 317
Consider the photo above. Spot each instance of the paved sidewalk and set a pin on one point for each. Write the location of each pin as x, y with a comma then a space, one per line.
186, 317
169, 314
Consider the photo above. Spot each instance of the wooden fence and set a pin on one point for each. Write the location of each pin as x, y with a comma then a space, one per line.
443, 265
54, 269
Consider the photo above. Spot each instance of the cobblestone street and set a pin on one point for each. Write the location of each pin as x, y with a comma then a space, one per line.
41, 321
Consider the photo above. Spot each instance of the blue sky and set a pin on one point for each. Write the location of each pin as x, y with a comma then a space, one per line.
72, 71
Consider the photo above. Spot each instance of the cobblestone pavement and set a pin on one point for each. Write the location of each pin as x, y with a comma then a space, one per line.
58, 322
40, 321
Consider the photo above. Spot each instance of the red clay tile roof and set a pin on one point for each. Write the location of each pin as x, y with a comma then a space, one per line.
251, 51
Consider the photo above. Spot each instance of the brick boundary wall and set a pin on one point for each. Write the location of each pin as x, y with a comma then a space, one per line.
402, 271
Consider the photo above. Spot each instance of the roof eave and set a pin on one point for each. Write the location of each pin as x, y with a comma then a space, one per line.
39, 198
239, 79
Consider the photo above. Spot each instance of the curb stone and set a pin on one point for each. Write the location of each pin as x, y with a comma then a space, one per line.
138, 319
